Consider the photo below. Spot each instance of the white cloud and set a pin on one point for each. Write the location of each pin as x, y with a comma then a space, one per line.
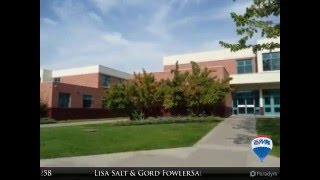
48, 21
84, 37
115, 38
95, 17
239, 7
158, 23
81, 41
105, 5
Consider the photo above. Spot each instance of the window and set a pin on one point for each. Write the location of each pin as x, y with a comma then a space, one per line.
87, 101
57, 80
244, 66
271, 61
105, 80
64, 100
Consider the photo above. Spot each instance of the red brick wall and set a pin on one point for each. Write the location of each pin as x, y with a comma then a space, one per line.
76, 93
112, 80
46, 93
83, 113
218, 71
89, 80
230, 65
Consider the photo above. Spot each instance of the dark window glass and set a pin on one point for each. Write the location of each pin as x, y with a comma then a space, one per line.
64, 100
105, 80
276, 100
242, 110
244, 66
268, 110
87, 101
250, 110
277, 110
235, 111
241, 101
57, 80
267, 100
271, 61
249, 101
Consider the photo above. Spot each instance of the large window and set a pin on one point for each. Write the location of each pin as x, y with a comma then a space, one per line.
244, 66
271, 61
105, 80
87, 101
64, 100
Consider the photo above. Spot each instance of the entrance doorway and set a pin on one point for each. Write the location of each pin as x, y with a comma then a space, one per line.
271, 102
246, 102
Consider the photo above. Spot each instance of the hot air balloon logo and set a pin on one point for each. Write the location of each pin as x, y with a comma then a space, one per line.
261, 146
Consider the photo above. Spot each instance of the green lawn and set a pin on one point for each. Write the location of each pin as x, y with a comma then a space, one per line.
270, 127
74, 141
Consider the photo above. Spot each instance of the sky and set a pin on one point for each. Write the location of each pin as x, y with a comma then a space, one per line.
130, 35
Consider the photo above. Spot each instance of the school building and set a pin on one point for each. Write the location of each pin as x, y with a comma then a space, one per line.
255, 77
77, 93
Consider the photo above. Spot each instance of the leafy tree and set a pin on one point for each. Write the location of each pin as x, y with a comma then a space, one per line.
117, 97
204, 90
144, 96
175, 91
138, 97
251, 22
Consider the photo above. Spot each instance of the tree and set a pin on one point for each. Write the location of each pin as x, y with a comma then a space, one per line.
138, 97
144, 96
251, 23
203, 90
145, 93
174, 91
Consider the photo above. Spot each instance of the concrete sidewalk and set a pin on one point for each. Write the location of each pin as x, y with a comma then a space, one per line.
77, 123
227, 145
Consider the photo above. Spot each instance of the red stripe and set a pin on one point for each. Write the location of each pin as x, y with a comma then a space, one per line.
261, 136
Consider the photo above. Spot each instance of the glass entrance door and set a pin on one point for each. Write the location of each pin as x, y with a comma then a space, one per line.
245, 102
246, 105
271, 102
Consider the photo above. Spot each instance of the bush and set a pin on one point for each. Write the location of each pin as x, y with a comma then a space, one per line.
168, 120
43, 109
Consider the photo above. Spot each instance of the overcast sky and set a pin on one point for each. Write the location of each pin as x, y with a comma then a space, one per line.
131, 34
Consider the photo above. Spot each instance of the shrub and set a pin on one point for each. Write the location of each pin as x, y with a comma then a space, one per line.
43, 109
168, 120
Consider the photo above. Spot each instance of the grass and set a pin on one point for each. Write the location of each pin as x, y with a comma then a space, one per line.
270, 127
74, 141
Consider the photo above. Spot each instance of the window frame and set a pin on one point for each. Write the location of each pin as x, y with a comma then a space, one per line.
103, 76
272, 60
84, 98
69, 99
57, 80
244, 66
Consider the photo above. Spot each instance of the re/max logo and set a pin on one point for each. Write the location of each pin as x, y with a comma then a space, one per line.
261, 141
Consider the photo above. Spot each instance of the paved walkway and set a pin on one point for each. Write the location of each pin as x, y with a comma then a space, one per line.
227, 145
84, 122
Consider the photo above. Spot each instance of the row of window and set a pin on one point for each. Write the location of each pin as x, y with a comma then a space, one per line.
271, 62
104, 78
65, 100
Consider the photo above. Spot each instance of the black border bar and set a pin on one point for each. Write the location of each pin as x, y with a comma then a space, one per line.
256, 172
